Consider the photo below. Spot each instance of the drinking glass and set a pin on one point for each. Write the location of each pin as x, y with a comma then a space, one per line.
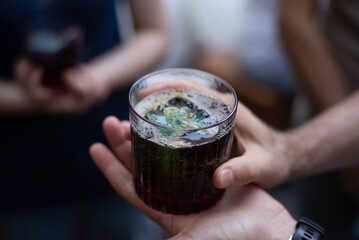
174, 164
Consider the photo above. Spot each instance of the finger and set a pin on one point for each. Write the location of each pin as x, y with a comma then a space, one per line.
122, 181
115, 132
227, 98
22, 69
127, 129
30, 77
183, 83
235, 172
117, 175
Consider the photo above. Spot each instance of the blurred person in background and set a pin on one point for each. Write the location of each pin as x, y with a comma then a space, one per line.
245, 49
50, 189
239, 41
324, 52
318, 51
249, 53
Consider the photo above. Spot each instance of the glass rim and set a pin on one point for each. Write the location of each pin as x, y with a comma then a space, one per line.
230, 115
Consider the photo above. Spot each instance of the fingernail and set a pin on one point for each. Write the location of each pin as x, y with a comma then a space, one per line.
226, 177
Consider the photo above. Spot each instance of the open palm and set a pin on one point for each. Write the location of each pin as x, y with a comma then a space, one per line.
243, 212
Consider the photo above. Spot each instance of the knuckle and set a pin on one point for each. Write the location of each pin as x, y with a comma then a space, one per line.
244, 172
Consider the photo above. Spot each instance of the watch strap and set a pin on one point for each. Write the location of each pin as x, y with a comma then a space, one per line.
308, 230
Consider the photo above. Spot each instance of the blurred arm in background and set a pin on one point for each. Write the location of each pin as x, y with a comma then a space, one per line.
271, 106
94, 81
317, 70
13, 99
116, 68
140, 53
249, 56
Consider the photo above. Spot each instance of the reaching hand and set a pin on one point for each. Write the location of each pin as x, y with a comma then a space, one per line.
265, 155
243, 213
266, 159
29, 77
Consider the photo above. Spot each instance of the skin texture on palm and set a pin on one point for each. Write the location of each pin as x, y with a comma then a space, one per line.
244, 212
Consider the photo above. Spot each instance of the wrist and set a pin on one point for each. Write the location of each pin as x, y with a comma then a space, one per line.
298, 153
101, 83
287, 155
283, 229
101, 73
26, 104
14, 100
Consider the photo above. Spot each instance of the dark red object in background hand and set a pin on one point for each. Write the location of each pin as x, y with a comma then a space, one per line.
55, 51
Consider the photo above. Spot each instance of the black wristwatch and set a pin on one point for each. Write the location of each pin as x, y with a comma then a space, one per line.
306, 229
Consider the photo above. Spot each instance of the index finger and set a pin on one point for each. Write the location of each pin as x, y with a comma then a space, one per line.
117, 133
122, 181
227, 98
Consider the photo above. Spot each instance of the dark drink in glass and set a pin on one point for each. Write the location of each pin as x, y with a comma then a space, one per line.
179, 137
54, 51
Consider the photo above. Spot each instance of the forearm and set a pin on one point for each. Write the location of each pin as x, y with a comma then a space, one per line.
310, 54
13, 100
132, 59
328, 142
127, 62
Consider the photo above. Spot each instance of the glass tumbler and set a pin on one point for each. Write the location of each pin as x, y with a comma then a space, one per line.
182, 130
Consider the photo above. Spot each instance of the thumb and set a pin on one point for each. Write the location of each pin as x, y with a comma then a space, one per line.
236, 171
